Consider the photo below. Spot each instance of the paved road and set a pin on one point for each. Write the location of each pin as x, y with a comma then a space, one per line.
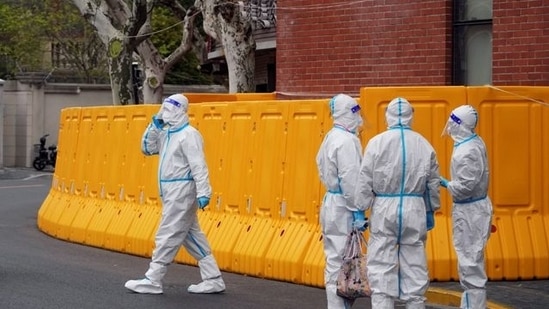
38, 271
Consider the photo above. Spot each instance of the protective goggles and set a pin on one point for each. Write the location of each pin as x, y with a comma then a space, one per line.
355, 109
455, 118
172, 101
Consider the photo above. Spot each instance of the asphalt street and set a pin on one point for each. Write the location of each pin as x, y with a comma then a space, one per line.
39, 271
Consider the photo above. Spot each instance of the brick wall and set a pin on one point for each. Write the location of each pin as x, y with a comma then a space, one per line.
330, 46
520, 43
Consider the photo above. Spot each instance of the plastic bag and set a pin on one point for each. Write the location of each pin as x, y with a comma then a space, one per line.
352, 279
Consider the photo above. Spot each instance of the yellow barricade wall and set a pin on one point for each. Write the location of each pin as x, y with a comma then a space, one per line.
263, 218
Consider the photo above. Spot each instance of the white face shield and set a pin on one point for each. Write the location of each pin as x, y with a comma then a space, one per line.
346, 112
173, 111
461, 123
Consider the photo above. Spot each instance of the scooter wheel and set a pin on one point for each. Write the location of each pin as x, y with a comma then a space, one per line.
39, 164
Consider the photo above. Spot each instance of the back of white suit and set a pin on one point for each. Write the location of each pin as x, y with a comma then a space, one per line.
398, 181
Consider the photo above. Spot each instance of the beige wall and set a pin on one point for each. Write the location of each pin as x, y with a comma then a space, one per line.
28, 111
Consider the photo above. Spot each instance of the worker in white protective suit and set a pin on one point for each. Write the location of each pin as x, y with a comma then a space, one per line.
338, 161
184, 187
399, 182
472, 208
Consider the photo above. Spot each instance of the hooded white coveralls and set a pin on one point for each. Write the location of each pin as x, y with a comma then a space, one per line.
183, 176
472, 208
399, 181
338, 161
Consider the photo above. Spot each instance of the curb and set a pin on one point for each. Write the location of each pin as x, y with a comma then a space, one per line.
452, 298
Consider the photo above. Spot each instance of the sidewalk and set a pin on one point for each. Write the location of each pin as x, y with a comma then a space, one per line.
530, 294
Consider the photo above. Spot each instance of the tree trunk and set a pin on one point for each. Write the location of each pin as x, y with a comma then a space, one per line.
155, 71
117, 26
229, 23
240, 56
120, 69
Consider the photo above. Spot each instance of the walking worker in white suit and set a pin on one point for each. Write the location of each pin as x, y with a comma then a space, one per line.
184, 187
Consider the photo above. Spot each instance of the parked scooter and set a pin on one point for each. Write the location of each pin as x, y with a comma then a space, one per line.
45, 156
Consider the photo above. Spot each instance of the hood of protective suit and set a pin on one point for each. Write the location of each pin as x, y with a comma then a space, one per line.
399, 113
346, 112
174, 110
462, 123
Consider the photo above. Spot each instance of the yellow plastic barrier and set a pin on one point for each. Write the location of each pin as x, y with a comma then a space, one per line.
263, 218
226, 97
515, 125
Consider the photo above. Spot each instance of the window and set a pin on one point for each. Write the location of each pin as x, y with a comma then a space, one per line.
472, 42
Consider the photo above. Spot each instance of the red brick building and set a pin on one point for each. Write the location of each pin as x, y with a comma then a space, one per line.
330, 46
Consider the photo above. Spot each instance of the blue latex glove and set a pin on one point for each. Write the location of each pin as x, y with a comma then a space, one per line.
360, 222
430, 220
443, 182
158, 123
203, 201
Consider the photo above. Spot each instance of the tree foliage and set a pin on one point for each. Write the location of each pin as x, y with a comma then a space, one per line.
51, 36
21, 38
166, 36
76, 48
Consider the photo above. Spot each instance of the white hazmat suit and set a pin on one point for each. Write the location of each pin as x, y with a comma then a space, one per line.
184, 186
338, 160
472, 208
399, 181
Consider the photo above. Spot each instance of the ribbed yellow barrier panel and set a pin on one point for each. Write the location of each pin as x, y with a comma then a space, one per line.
228, 97
314, 261
255, 96
211, 120
432, 105
223, 235
252, 246
136, 166
49, 213
90, 151
301, 199
287, 251
99, 157
69, 124
84, 210
268, 149
514, 125
62, 209
140, 235
90, 160
117, 133
101, 212
81, 150
210, 97
237, 164
116, 183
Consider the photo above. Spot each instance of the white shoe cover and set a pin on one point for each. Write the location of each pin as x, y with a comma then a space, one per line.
208, 287
144, 286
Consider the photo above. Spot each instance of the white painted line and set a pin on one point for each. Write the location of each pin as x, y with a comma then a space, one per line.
36, 176
22, 186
